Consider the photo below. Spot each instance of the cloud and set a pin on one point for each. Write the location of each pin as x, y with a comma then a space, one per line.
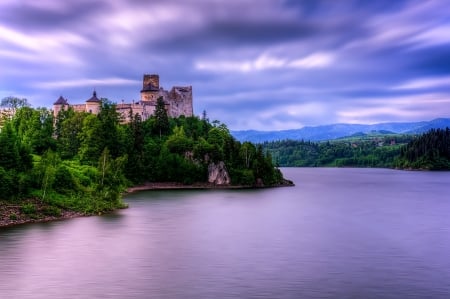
286, 63
266, 62
86, 82
433, 36
404, 108
316, 60
425, 83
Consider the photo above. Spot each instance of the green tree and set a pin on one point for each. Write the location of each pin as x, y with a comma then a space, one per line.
9, 149
219, 137
162, 120
46, 171
247, 153
34, 128
178, 142
91, 141
14, 103
68, 139
135, 149
109, 121
111, 179
7, 184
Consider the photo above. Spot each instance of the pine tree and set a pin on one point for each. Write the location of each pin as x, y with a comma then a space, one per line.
162, 120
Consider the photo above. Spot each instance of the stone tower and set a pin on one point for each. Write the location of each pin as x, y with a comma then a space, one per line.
60, 104
93, 104
178, 100
150, 89
151, 80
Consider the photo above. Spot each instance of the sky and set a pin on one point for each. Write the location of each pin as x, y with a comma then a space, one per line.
253, 64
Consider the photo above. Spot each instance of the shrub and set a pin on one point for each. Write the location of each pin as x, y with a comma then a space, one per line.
7, 185
51, 211
243, 177
64, 181
28, 209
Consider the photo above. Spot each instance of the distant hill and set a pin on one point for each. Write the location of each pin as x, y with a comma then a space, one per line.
438, 123
329, 132
372, 133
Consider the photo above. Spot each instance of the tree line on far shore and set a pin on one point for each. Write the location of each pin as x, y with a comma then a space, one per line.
430, 150
83, 162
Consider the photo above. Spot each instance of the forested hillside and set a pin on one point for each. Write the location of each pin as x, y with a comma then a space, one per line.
427, 151
83, 162
430, 151
356, 152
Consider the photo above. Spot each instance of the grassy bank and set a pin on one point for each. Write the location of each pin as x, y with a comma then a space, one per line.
36, 210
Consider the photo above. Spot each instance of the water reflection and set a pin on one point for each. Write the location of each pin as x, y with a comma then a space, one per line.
340, 233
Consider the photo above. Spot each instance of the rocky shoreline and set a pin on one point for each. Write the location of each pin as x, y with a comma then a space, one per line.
14, 213
174, 186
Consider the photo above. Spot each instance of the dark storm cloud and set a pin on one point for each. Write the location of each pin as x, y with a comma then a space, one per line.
434, 60
37, 17
218, 34
269, 65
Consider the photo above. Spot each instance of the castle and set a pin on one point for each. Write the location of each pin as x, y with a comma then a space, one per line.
178, 101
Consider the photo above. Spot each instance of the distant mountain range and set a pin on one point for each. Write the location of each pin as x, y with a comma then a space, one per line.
329, 132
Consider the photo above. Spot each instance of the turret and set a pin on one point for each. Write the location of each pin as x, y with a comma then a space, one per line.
60, 104
93, 104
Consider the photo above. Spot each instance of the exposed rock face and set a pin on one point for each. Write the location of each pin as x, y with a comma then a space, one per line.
218, 174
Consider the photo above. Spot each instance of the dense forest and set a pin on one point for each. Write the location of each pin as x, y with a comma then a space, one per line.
427, 151
376, 152
84, 162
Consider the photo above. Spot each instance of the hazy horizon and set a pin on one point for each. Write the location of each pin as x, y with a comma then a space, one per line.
332, 124
272, 66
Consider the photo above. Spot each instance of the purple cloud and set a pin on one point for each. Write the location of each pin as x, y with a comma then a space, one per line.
274, 65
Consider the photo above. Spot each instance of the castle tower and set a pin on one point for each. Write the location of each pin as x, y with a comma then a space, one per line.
151, 80
150, 88
60, 104
93, 104
178, 100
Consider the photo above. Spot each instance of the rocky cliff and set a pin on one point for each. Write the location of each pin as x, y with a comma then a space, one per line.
218, 174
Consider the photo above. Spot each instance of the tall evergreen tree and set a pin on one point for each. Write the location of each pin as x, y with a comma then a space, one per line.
162, 120
9, 149
109, 121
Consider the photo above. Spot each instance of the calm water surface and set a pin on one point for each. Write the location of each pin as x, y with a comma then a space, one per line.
340, 233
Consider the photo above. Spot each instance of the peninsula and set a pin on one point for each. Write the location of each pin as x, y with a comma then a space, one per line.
79, 159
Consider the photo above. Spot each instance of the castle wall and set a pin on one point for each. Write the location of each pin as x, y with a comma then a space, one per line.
180, 100
79, 107
145, 111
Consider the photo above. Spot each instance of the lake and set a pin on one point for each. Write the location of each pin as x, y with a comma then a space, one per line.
339, 233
